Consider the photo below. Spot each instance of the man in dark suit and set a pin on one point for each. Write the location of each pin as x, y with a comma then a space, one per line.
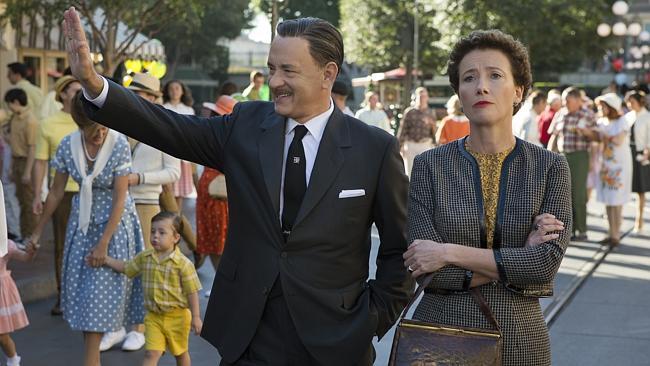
305, 184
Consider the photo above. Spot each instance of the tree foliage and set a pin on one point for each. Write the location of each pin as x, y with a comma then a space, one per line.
48, 13
379, 34
560, 35
291, 9
196, 41
147, 17
103, 17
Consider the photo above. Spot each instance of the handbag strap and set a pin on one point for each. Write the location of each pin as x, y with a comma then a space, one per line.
485, 308
476, 295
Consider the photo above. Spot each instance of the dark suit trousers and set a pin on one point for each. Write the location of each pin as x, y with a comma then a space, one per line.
276, 341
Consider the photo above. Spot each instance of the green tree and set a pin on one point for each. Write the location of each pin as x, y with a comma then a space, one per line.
146, 17
104, 17
197, 40
560, 35
291, 9
379, 34
49, 13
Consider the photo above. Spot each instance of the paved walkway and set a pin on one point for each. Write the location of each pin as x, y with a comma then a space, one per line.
605, 324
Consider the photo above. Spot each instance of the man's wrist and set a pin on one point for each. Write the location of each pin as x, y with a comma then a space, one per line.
93, 86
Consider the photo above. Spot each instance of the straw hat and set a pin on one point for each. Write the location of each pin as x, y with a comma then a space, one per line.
61, 84
145, 83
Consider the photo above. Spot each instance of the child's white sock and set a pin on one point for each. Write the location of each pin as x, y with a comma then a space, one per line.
13, 361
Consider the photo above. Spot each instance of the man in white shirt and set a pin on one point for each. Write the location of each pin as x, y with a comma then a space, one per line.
372, 114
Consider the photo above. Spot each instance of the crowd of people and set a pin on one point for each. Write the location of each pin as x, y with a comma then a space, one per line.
104, 193
291, 285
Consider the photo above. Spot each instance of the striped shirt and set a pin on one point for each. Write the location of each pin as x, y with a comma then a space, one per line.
166, 282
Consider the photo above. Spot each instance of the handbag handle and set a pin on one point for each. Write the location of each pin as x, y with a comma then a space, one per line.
476, 295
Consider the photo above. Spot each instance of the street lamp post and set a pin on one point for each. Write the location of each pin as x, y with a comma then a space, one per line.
622, 30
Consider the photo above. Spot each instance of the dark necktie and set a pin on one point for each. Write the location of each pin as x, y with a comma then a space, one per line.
295, 183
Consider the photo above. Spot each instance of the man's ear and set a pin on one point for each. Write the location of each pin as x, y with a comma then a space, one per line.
330, 71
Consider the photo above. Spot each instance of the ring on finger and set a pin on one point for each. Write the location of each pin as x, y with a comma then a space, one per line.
410, 269
538, 227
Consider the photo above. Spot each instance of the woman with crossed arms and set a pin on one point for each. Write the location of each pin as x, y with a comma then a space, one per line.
490, 211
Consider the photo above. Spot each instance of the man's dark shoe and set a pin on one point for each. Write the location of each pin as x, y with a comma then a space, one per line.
579, 237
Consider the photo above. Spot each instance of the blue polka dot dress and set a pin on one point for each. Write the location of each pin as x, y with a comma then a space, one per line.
99, 299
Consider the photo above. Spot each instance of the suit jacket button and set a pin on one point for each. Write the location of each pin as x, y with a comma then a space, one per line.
265, 290
283, 254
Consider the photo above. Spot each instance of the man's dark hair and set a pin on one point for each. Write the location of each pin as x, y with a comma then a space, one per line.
340, 88
493, 39
16, 94
637, 95
537, 97
18, 68
255, 74
228, 88
572, 91
325, 41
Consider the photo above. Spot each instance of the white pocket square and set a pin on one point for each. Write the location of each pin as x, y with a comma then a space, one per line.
349, 193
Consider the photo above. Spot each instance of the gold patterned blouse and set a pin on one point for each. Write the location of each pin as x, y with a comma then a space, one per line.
490, 168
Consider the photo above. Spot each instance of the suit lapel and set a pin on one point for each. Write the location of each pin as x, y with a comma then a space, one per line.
271, 150
329, 161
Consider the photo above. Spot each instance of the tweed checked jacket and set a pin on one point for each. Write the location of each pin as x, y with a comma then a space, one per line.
446, 205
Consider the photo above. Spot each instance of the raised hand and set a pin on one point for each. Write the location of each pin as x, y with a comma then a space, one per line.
76, 45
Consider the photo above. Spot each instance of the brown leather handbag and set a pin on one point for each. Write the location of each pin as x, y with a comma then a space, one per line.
418, 343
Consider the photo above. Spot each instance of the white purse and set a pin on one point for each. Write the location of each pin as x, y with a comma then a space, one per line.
217, 187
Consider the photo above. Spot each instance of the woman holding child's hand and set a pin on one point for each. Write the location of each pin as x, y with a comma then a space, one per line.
102, 221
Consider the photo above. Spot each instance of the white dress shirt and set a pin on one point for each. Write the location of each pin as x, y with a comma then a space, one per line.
311, 141
101, 98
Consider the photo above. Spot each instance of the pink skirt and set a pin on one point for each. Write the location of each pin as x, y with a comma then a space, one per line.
12, 312
184, 187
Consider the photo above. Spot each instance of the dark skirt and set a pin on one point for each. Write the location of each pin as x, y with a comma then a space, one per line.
640, 174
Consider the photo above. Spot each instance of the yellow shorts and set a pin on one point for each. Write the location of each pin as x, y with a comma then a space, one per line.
168, 330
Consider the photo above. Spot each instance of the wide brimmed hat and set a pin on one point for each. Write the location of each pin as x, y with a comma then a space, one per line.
61, 84
225, 104
145, 83
612, 100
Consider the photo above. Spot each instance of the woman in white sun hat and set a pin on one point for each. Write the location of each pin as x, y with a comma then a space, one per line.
615, 185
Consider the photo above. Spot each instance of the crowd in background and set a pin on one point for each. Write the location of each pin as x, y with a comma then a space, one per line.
104, 194
606, 142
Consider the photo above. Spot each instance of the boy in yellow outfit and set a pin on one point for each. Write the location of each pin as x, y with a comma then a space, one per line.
171, 288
